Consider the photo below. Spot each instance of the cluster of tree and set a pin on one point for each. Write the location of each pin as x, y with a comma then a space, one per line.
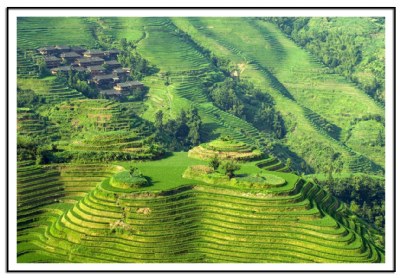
29, 148
229, 167
243, 100
78, 81
364, 195
129, 58
237, 97
344, 50
180, 133
28, 98
43, 71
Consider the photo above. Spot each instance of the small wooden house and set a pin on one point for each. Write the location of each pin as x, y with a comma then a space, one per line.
63, 69
62, 48
79, 69
121, 72
48, 50
112, 64
111, 93
70, 56
128, 86
96, 70
94, 53
112, 53
78, 49
52, 61
104, 80
86, 62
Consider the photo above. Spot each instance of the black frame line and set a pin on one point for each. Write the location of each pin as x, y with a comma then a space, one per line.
202, 8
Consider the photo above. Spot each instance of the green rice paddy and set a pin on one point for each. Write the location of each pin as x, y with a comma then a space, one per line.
87, 211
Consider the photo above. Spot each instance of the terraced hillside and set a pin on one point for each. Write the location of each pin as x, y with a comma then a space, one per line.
296, 222
98, 183
301, 87
185, 66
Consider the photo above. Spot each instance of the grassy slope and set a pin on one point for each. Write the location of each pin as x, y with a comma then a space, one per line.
199, 224
61, 31
275, 64
70, 221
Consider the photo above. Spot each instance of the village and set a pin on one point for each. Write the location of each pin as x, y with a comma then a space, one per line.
104, 71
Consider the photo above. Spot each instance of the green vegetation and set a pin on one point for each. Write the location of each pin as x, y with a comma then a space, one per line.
353, 47
225, 148
207, 163
126, 180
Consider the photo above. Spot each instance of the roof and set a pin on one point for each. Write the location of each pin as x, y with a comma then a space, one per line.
63, 68
110, 92
119, 70
51, 58
79, 68
78, 48
112, 51
95, 68
47, 48
92, 59
62, 47
130, 84
103, 77
94, 51
112, 62
70, 55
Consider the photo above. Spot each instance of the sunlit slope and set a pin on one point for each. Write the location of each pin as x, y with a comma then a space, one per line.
196, 223
184, 65
35, 32
301, 87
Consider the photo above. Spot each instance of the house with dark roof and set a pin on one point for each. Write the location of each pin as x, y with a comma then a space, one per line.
104, 80
94, 61
79, 69
70, 56
62, 48
129, 85
48, 50
63, 69
52, 61
112, 64
112, 53
121, 72
95, 70
94, 53
111, 94
78, 49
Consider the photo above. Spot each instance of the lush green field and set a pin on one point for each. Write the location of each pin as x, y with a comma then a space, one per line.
98, 183
300, 86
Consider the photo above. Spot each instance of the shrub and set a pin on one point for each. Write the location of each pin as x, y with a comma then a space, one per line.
214, 163
126, 180
230, 168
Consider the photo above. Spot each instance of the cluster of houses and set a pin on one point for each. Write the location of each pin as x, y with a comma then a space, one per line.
105, 71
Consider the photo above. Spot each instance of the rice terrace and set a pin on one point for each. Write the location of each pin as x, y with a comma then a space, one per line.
200, 140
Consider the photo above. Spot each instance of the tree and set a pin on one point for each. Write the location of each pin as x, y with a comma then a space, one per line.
135, 172
124, 43
230, 168
380, 139
159, 120
214, 163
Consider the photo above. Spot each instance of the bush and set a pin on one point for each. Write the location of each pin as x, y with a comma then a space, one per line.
126, 180
214, 163
230, 168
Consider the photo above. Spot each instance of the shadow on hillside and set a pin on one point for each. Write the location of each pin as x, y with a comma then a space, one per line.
208, 131
298, 163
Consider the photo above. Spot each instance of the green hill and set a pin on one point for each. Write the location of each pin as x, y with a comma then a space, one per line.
98, 183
